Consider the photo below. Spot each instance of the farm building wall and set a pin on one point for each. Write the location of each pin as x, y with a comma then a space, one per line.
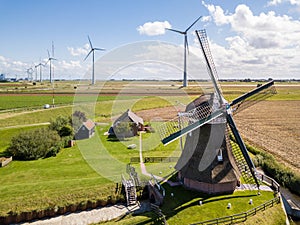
84, 133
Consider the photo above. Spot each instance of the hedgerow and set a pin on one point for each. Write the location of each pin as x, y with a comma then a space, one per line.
283, 175
35, 144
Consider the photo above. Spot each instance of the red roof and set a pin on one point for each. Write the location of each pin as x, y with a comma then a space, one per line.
89, 124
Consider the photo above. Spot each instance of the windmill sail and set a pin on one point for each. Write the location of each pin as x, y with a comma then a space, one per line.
260, 93
211, 68
212, 154
188, 121
202, 37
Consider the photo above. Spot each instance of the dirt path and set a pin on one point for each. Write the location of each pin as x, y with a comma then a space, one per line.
88, 217
25, 125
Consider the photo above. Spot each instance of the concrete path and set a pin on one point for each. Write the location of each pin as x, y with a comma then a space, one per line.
254, 187
88, 217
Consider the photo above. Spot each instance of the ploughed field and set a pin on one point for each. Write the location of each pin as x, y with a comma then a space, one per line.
275, 127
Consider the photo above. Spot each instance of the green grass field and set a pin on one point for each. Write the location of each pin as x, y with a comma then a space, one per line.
71, 176
184, 208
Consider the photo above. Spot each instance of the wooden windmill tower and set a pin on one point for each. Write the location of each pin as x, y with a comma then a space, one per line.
214, 157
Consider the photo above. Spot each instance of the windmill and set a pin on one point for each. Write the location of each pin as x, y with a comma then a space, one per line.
185, 47
50, 58
93, 51
214, 157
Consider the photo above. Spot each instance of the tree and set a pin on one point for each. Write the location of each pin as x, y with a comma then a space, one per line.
66, 131
78, 118
35, 144
122, 130
58, 123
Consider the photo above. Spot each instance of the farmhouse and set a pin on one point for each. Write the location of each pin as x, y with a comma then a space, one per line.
86, 130
127, 125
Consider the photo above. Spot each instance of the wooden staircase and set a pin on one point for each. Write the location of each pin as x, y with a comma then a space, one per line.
130, 191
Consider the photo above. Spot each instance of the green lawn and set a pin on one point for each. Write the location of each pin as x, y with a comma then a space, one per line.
60, 180
184, 207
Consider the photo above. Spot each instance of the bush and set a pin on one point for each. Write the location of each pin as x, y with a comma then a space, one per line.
35, 144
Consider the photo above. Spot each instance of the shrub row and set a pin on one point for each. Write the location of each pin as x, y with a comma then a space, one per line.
283, 175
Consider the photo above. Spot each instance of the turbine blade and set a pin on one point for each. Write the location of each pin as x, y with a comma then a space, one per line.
52, 49
90, 42
177, 31
88, 54
48, 53
99, 49
193, 24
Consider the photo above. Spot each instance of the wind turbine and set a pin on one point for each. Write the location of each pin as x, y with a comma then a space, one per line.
93, 51
40, 65
50, 60
29, 73
186, 47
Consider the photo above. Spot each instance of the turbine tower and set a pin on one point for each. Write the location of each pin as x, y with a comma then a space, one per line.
186, 46
93, 65
51, 72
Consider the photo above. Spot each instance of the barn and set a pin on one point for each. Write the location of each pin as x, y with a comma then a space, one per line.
86, 130
127, 125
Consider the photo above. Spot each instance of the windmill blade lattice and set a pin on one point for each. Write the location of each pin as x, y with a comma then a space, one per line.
201, 34
242, 165
251, 98
186, 122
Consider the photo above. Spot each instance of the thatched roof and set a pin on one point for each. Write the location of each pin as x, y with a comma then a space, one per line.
129, 116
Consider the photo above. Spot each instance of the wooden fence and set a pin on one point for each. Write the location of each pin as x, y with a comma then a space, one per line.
268, 180
241, 217
154, 159
158, 212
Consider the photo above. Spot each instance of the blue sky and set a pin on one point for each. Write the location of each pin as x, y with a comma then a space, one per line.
247, 38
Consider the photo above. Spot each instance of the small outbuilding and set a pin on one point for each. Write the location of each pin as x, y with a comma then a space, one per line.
86, 130
127, 125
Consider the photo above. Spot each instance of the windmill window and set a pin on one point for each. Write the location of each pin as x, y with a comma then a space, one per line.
220, 155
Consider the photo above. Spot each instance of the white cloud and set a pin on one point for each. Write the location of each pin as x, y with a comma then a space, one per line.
12, 67
79, 50
217, 14
266, 44
277, 2
154, 28
70, 65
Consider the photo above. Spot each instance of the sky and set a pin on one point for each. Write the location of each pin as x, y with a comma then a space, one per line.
248, 39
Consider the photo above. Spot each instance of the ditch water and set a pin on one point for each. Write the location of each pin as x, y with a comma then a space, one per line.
295, 198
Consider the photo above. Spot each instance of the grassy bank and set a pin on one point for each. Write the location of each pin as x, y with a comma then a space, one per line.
65, 179
183, 208
283, 175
